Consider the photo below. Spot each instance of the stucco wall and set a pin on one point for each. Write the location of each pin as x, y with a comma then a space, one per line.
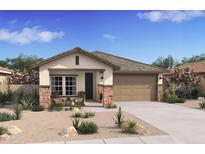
68, 62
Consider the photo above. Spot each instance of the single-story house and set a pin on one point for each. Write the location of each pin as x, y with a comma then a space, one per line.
4, 74
98, 74
199, 68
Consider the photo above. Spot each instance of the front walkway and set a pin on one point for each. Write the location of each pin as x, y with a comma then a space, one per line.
183, 125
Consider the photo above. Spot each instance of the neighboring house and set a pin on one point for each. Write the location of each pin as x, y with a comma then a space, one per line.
96, 73
4, 74
198, 67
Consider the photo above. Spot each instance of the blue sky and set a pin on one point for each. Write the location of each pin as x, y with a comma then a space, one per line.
138, 35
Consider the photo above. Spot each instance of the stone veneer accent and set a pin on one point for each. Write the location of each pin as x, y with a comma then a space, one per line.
107, 91
159, 92
44, 96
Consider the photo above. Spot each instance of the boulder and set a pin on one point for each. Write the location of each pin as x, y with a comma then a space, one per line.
12, 130
69, 132
75, 109
4, 137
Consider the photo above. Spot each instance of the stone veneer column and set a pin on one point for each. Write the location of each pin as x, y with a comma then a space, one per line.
159, 92
107, 92
44, 96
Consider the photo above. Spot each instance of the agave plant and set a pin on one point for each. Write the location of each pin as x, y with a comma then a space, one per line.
119, 118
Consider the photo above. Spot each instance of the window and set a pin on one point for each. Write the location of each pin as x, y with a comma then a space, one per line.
77, 60
70, 86
57, 84
64, 85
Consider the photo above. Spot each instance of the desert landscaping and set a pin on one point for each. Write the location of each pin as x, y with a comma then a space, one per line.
45, 126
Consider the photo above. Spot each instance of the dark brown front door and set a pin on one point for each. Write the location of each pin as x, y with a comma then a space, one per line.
89, 85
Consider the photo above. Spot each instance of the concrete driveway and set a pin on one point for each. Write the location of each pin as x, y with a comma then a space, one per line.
182, 124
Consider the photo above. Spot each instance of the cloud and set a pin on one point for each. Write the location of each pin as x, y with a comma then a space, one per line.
12, 22
27, 22
173, 16
109, 37
29, 35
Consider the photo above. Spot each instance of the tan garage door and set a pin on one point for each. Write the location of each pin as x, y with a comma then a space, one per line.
134, 88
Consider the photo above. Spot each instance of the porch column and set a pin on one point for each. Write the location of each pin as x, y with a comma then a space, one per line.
160, 89
107, 93
44, 96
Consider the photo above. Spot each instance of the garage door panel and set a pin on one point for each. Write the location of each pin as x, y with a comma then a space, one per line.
134, 87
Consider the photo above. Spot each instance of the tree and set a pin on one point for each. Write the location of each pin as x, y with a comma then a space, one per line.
194, 58
168, 62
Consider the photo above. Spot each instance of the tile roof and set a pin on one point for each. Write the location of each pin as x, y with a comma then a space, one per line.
198, 67
5, 70
127, 65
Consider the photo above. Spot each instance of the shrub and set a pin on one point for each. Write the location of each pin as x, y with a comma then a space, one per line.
87, 114
180, 100
6, 96
202, 105
87, 128
76, 123
18, 112
194, 93
110, 106
37, 108
170, 97
129, 127
119, 118
76, 115
26, 102
5, 116
56, 107
3, 130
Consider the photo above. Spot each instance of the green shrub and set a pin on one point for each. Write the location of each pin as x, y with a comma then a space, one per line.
194, 93
3, 130
170, 97
76, 115
37, 108
55, 107
6, 96
202, 105
5, 116
180, 100
18, 112
110, 106
87, 114
87, 128
119, 118
26, 102
129, 127
76, 123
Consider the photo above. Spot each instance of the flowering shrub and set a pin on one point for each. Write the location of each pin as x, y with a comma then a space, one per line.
184, 81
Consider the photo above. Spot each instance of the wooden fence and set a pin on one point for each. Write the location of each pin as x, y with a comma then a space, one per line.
26, 88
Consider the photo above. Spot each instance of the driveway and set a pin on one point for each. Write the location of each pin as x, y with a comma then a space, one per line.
182, 124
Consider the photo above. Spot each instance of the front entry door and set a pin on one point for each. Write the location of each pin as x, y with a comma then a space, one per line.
89, 85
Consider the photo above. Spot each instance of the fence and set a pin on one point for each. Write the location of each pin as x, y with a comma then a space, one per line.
26, 88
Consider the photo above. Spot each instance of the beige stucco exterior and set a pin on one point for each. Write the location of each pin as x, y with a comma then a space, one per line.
66, 66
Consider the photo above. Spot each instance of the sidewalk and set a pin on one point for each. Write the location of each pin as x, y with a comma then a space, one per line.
161, 139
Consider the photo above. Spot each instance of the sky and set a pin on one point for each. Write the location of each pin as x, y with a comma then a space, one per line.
138, 35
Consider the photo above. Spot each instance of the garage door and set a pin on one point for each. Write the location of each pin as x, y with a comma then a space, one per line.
134, 88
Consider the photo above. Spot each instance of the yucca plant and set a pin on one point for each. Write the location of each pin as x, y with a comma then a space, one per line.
5, 116
18, 112
129, 127
119, 120
26, 102
76, 123
202, 105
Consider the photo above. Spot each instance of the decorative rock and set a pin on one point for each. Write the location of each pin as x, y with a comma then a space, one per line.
75, 109
69, 132
12, 130
4, 137
200, 98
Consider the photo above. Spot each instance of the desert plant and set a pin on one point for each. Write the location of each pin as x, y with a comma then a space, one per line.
37, 108
76, 115
170, 97
202, 105
76, 123
5, 116
18, 112
87, 128
3, 130
110, 106
119, 118
87, 114
6, 96
26, 102
129, 127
